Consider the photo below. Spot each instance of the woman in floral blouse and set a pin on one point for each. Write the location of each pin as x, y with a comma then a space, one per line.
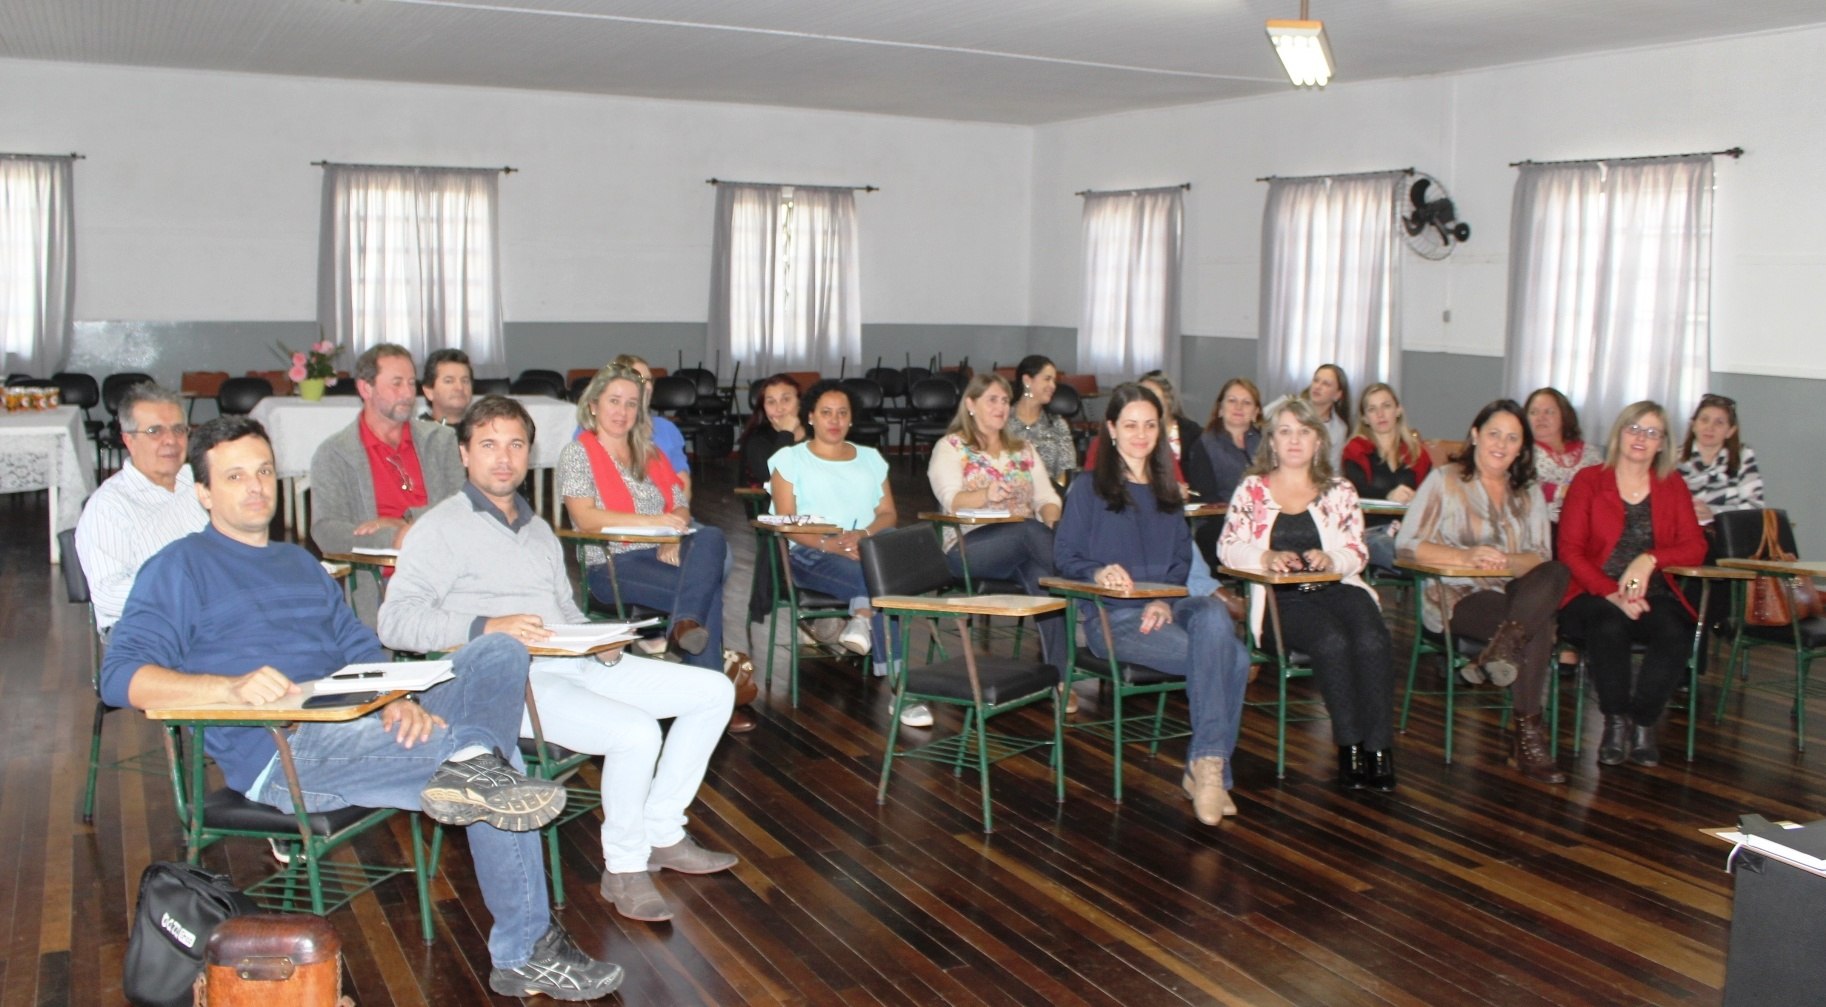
1559, 454
1717, 465
1293, 513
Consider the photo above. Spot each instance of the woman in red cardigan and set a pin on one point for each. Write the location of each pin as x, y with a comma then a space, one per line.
1623, 522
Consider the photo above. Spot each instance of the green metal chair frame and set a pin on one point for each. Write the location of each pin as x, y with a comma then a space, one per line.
1447, 646
785, 596
549, 762
1748, 638
939, 520
1288, 665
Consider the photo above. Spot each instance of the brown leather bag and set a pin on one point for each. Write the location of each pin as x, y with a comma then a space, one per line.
273, 960
740, 669
1776, 600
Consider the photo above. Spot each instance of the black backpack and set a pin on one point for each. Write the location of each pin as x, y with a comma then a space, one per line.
179, 906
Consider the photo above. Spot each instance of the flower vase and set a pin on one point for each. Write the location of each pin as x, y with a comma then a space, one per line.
310, 389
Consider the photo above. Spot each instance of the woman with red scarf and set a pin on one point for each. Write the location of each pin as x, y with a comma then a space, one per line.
612, 476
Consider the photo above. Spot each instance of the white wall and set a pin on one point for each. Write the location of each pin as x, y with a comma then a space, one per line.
1766, 93
198, 202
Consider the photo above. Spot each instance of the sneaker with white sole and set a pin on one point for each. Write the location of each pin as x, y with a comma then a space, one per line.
916, 715
486, 789
855, 636
558, 969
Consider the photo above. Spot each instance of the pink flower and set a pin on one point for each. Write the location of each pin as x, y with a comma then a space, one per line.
297, 371
324, 347
298, 359
330, 382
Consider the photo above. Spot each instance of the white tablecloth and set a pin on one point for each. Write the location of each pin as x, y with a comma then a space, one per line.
296, 427
46, 451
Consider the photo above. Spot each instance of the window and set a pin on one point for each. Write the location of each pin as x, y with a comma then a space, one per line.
37, 262
1131, 282
785, 284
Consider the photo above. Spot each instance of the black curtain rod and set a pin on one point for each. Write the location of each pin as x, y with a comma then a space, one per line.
1727, 152
28, 157
504, 169
792, 185
1099, 192
1334, 174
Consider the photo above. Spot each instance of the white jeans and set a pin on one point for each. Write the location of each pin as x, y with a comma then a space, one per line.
614, 711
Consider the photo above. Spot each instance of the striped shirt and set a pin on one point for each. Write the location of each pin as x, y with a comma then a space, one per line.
1713, 486
127, 520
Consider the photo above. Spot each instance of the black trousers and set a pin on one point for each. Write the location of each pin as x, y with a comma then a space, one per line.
1532, 600
1605, 634
1342, 630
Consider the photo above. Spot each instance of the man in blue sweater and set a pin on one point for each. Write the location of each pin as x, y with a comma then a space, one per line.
227, 616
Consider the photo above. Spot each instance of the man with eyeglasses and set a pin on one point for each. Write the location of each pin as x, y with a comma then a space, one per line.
370, 480
148, 504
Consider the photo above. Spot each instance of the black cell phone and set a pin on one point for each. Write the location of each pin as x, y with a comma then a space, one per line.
340, 699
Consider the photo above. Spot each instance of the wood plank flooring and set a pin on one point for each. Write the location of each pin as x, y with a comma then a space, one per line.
1469, 885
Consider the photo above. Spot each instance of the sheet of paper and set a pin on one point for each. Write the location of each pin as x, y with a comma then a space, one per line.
644, 531
984, 512
366, 550
581, 639
382, 676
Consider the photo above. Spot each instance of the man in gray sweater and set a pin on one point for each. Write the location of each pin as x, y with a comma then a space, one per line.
372, 479
482, 562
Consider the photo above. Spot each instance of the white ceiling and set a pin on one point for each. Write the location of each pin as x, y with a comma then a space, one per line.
1011, 61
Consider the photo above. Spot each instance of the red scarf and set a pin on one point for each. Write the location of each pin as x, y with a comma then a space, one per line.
609, 485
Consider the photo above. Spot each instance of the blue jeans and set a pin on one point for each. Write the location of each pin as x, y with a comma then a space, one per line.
841, 577
358, 763
1199, 645
1017, 552
691, 590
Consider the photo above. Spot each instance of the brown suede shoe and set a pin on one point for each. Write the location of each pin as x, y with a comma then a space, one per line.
1529, 752
687, 857
1204, 784
634, 896
742, 720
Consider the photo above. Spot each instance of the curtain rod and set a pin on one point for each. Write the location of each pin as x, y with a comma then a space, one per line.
1334, 174
1727, 152
28, 157
504, 169
1101, 192
794, 185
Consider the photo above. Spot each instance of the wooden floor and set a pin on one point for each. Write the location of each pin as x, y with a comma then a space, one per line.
1467, 886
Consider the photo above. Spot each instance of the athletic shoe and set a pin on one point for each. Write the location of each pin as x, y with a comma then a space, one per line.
487, 789
855, 636
916, 715
559, 969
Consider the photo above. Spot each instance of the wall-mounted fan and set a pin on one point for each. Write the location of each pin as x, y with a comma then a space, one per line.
1431, 221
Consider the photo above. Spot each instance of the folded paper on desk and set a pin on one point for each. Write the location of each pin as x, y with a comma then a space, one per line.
381, 676
788, 520
581, 639
366, 550
981, 513
1805, 844
646, 531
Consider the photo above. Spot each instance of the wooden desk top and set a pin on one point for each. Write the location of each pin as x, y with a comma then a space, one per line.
755, 492
797, 529
1140, 589
659, 536
941, 517
970, 604
1278, 579
1208, 510
362, 559
1710, 572
284, 711
338, 571
1450, 569
1382, 507
1797, 568
601, 648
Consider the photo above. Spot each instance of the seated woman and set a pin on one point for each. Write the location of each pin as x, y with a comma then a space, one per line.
1719, 468
612, 476
1124, 523
1483, 509
1226, 448
846, 485
1622, 522
1290, 514
1036, 378
1385, 461
1559, 454
1179, 432
774, 426
978, 465
1329, 395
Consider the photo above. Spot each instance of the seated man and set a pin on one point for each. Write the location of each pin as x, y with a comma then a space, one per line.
483, 563
227, 616
144, 507
449, 384
370, 480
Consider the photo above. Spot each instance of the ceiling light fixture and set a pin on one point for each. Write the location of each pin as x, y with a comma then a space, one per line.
1303, 49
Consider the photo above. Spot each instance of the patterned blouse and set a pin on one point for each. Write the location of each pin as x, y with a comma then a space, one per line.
575, 479
1449, 511
956, 467
1714, 487
1553, 471
1249, 530
1051, 437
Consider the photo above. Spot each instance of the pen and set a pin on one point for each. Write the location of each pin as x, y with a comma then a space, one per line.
345, 675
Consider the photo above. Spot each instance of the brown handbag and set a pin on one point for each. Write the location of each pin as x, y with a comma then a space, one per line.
740, 669
272, 960
1776, 600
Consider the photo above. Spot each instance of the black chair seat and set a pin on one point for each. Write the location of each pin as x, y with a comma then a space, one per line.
530, 750
998, 586
1132, 673
226, 809
1813, 633
812, 599
1003, 679
1463, 646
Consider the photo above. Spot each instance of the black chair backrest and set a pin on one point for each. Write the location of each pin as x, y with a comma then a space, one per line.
914, 375
703, 380
579, 386
239, 395
905, 561
490, 386
75, 584
343, 386
1739, 532
79, 390
524, 385
868, 394
893, 383
115, 385
754, 397
1065, 402
935, 396
672, 393
535, 372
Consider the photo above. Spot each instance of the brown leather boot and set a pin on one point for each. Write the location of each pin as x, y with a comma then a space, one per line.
1528, 751
1501, 658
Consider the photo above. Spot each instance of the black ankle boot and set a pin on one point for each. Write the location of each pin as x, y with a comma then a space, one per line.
1352, 765
1614, 748
1642, 748
1379, 774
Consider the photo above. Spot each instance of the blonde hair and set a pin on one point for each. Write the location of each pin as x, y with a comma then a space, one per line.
1308, 417
1630, 416
1404, 434
640, 435
964, 422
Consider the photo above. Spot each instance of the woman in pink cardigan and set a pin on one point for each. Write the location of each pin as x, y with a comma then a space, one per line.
1293, 513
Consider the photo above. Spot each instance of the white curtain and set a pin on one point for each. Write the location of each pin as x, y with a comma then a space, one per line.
1331, 280
1132, 243
411, 256
1610, 284
785, 279
37, 262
